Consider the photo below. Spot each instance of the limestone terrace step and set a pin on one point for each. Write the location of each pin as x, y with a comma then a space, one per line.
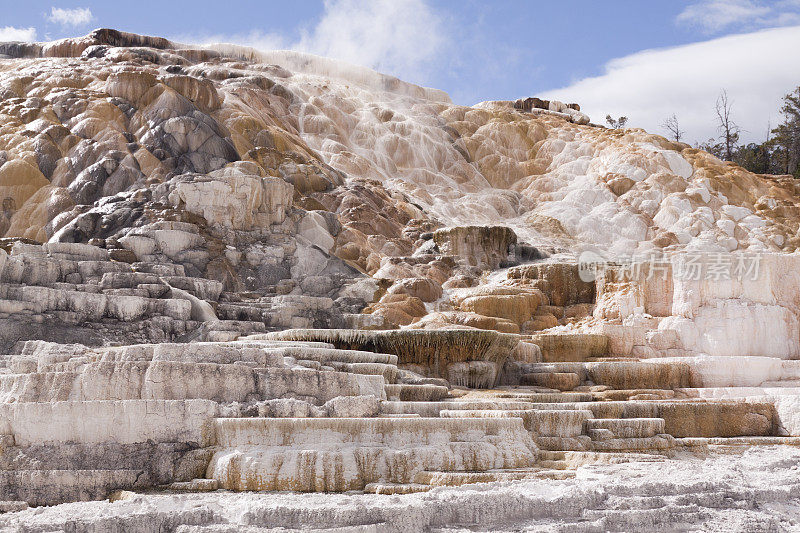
688, 418
628, 427
657, 443
546, 397
322, 433
422, 393
551, 423
433, 409
691, 442
50, 487
326, 355
622, 374
455, 479
129, 421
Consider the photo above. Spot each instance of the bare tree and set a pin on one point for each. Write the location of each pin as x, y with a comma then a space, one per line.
729, 131
618, 123
671, 125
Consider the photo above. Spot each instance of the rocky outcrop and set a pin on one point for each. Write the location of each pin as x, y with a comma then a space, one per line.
233, 197
466, 355
70, 292
159, 408
557, 347
279, 454
560, 282
479, 246
241, 270
673, 312
533, 104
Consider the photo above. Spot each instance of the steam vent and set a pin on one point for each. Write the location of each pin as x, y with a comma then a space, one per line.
269, 291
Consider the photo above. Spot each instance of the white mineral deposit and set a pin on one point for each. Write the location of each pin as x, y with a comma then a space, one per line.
249, 290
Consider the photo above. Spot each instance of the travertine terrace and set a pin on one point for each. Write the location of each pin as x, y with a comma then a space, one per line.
225, 270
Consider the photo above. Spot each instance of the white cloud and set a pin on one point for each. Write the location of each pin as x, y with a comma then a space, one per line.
70, 17
756, 69
10, 33
404, 38
714, 16
400, 37
255, 39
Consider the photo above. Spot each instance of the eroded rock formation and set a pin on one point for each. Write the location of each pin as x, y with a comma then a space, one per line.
224, 268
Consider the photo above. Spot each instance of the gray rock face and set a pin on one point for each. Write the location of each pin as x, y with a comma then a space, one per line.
73, 292
190, 143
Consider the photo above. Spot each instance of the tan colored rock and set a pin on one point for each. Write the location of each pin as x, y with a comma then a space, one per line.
518, 308
578, 311
718, 419
431, 349
472, 374
19, 181
560, 282
425, 289
200, 92
459, 282
448, 319
556, 311
640, 374
513, 304
541, 321
563, 381
619, 185
570, 347
122, 255
527, 352
477, 245
134, 86
31, 220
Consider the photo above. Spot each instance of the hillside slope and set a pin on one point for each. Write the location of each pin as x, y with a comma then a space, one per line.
108, 113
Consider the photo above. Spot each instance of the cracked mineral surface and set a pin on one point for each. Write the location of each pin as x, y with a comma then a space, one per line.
255, 291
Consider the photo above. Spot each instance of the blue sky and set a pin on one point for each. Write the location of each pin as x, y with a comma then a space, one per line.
589, 51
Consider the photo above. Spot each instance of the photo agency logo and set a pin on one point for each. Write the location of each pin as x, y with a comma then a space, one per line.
691, 265
590, 262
